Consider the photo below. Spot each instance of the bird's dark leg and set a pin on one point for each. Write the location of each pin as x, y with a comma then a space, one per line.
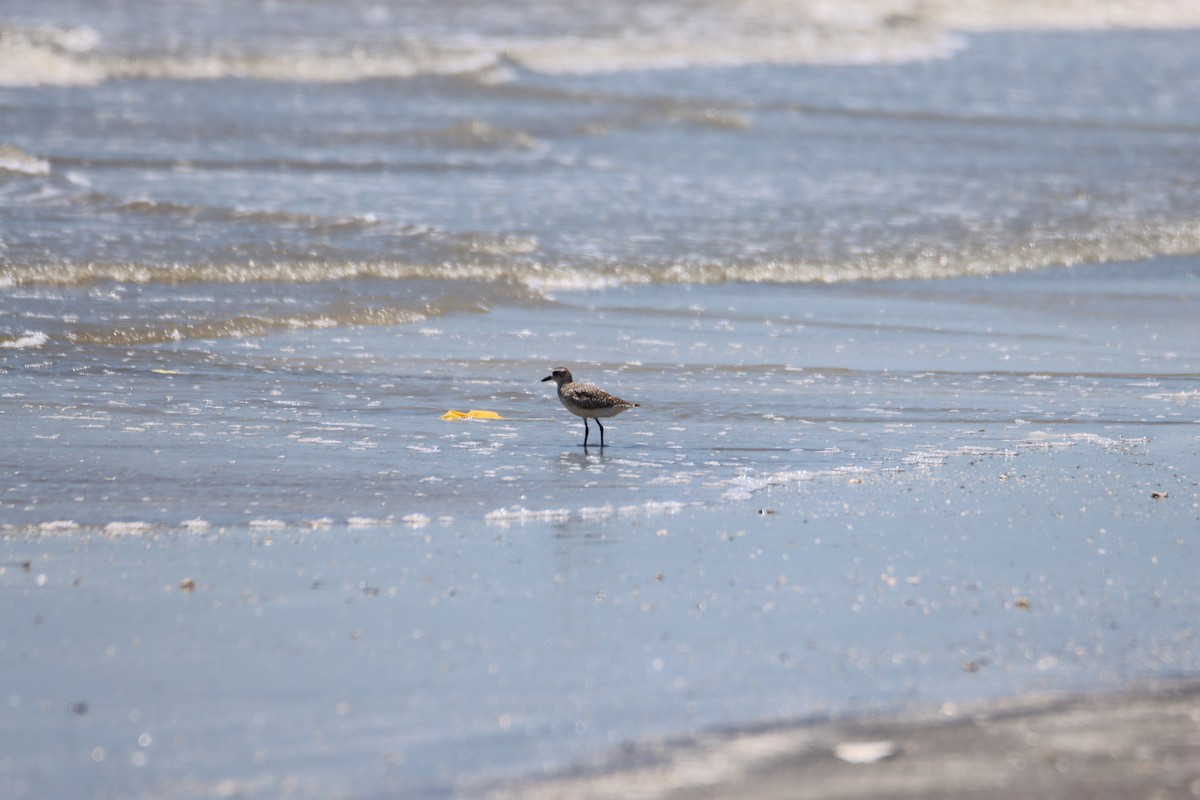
585, 431
601, 427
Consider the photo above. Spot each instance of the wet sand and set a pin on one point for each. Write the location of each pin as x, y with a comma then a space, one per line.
276, 571
1134, 744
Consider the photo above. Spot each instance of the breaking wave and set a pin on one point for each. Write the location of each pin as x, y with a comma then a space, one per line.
241, 326
27, 340
16, 160
513, 261
572, 39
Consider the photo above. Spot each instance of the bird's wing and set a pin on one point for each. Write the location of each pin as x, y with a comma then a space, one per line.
587, 396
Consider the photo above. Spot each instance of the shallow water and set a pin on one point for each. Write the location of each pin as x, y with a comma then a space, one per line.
436, 660
736, 385
383, 601
910, 316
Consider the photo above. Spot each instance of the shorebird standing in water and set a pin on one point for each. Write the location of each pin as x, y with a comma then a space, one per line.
587, 401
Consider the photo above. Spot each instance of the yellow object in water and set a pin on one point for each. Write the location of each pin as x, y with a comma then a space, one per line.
472, 414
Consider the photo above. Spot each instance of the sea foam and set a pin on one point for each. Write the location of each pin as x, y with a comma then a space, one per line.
29, 339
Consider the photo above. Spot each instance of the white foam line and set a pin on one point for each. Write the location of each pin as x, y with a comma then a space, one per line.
746, 485
130, 528
199, 525
1043, 440
520, 514
597, 513
59, 526
1178, 397
29, 339
368, 522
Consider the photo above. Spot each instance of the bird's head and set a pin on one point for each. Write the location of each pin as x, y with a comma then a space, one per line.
559, 375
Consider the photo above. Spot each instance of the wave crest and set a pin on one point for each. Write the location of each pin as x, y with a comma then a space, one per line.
510, 262
160, 332
49, 57
575, 39
14, 159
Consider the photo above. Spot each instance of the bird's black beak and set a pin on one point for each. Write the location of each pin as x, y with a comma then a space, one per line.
547, 378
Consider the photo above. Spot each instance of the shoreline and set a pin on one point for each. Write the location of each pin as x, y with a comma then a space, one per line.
1005, 502
967, 577
1141, 741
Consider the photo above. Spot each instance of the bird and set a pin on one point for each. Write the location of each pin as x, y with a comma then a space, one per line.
587, 401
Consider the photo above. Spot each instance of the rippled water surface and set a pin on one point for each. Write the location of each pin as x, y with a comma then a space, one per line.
907, 299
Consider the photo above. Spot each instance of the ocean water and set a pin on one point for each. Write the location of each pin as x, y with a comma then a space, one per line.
845, 256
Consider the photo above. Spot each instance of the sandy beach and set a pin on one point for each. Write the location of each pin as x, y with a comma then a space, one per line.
1135, 744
